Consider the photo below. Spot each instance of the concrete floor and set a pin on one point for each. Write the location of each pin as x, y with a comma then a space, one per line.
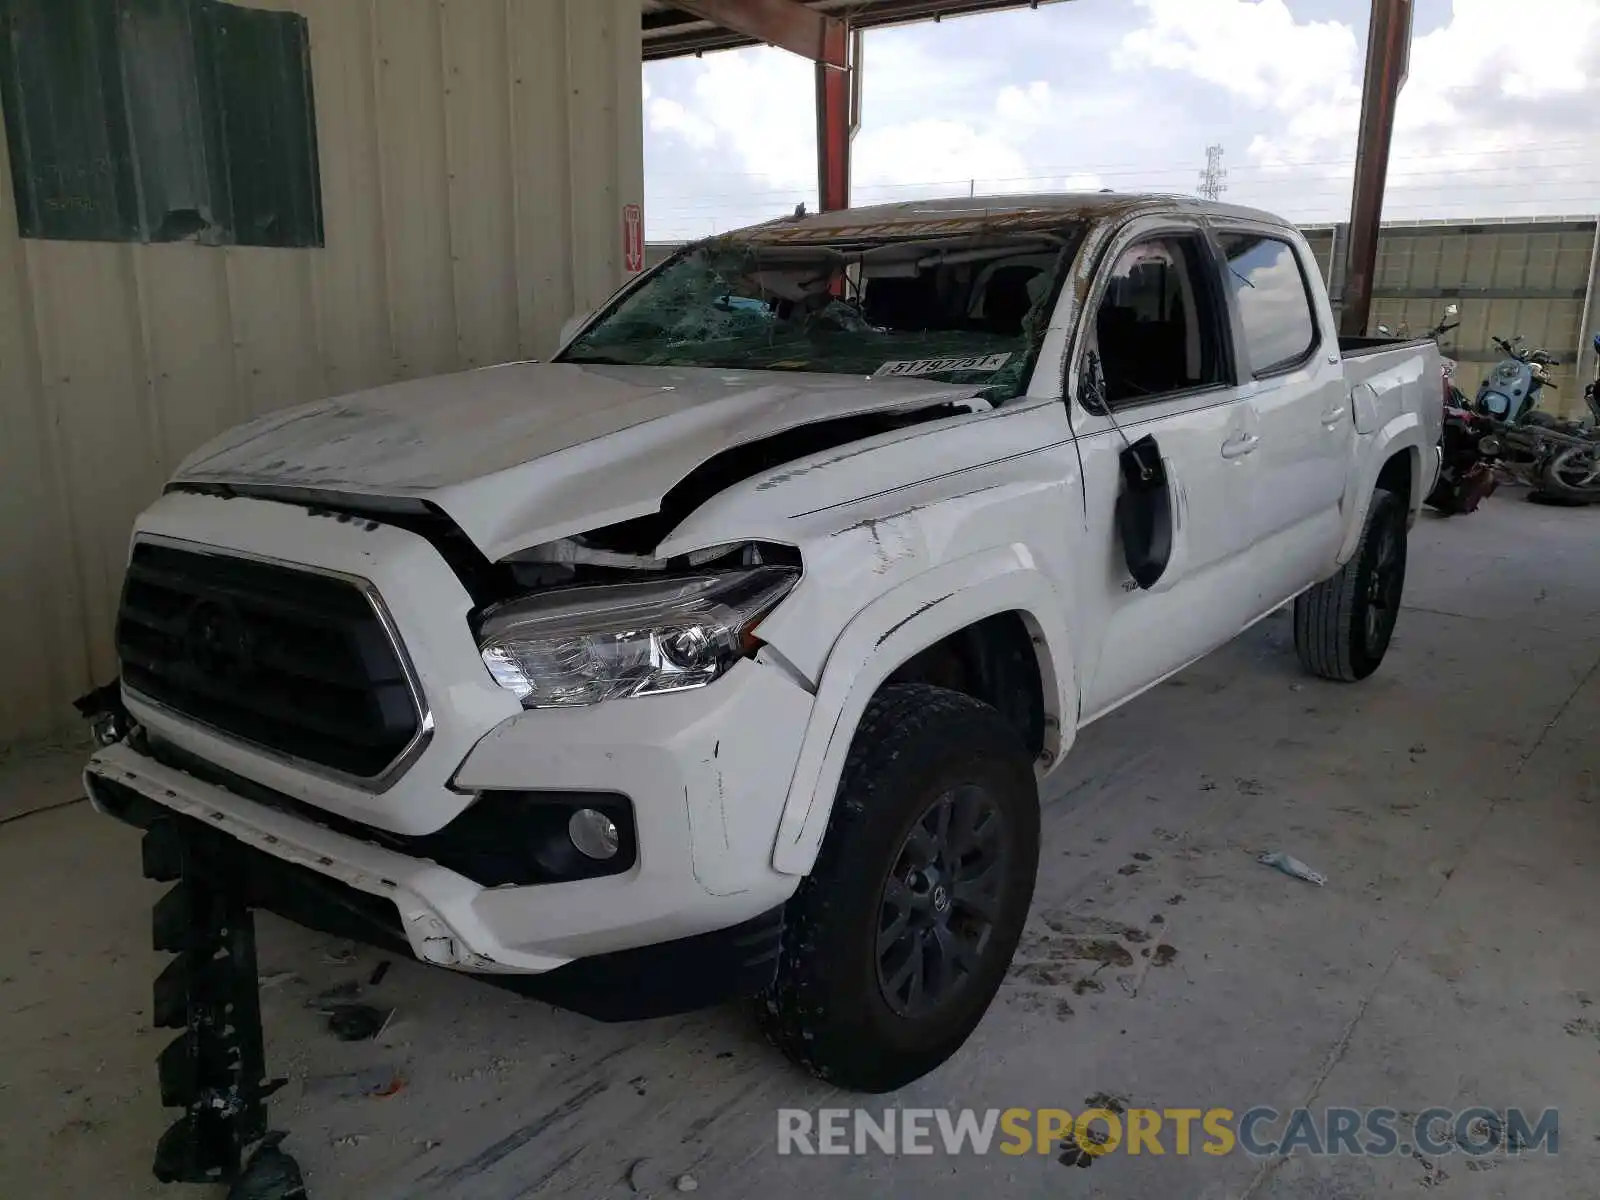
1453, 801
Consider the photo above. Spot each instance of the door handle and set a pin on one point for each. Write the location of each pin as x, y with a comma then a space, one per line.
1336, 414
1239, 446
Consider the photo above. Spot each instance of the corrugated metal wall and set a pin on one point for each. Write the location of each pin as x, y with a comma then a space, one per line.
1527, 277
476, 155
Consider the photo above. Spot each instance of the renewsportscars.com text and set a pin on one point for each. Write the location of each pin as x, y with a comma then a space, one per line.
1260, 1132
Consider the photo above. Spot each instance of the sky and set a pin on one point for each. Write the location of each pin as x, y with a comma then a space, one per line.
1500, 115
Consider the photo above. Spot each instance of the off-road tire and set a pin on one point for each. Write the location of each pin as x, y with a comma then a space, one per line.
828, 1009
1332, 633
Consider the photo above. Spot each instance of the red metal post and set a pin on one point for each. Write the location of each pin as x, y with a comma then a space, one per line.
1388, 50
834, 113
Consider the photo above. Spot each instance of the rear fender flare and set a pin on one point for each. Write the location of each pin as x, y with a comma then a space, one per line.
1404, 433
885, 634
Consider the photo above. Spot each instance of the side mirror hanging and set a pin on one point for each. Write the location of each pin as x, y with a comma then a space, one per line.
1144, 512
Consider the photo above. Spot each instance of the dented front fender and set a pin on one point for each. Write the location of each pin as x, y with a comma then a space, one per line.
887, 633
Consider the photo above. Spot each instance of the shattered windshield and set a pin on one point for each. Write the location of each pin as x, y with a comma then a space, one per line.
957, 309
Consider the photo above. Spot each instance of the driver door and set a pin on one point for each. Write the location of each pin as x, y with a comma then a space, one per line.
1156, 323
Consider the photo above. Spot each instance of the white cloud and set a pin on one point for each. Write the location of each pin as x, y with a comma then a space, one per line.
756, 108
1082, 182
1023, 105
1256, 50
1304, 76
1474, 127
932, 157
668, 116
1498, 115
749, 121
1531, 49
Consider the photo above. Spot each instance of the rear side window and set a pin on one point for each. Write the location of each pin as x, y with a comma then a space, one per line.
1275, 316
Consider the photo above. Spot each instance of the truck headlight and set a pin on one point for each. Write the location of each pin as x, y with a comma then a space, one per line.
582, 645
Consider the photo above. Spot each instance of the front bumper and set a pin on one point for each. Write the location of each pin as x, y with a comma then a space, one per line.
653, 981
706, 772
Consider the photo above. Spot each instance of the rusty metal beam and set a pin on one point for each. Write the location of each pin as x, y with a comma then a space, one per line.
1388, 52
835, 118
671, 32
784, 23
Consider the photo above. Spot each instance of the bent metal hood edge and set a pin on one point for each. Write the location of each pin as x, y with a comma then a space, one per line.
526, 453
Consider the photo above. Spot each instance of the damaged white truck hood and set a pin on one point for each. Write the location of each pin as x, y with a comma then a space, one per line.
526, 453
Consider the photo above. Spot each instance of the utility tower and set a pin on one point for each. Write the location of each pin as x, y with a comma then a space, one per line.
1213, 180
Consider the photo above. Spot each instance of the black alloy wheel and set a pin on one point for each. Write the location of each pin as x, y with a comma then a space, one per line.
940, 901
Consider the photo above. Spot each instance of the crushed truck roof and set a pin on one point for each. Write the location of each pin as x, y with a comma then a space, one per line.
989, 214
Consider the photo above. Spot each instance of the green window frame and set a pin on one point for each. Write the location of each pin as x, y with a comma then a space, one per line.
160, 121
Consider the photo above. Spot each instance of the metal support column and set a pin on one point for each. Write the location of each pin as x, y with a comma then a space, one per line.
1388, 55
1587, 323
836, 112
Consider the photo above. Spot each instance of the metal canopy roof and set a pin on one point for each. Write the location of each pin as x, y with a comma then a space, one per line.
669, 33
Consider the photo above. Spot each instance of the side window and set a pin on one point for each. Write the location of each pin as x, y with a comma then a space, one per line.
1157, 328
1276, 322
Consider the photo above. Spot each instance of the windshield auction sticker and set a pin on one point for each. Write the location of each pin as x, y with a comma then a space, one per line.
939, 366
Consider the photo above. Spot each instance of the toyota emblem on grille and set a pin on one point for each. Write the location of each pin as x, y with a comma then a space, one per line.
216, 641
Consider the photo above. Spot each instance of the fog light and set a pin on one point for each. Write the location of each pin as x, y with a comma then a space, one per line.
108, 728
593, 833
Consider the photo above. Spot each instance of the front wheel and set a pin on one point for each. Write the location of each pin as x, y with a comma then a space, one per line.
1342, 627
897, 941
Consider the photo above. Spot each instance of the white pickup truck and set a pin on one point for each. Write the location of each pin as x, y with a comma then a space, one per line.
726, 652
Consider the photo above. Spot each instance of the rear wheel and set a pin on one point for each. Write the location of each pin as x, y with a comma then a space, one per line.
1573, 475
1342, 627
897, 941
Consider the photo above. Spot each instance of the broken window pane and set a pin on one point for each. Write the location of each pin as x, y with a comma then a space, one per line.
262, 65
160, 120
166, 115
66, 125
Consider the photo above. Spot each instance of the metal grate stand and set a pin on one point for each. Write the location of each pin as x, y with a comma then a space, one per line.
215, 1068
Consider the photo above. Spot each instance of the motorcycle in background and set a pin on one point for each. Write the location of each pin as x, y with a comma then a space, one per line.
1558, 459
1572, 476
1515, 386
1466, 477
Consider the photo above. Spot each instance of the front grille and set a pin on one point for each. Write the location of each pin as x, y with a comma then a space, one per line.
292, 661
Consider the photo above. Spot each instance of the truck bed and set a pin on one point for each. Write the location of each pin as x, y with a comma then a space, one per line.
1361, 347
1392, 377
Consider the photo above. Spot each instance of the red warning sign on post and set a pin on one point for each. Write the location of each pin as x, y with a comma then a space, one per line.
632, 239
